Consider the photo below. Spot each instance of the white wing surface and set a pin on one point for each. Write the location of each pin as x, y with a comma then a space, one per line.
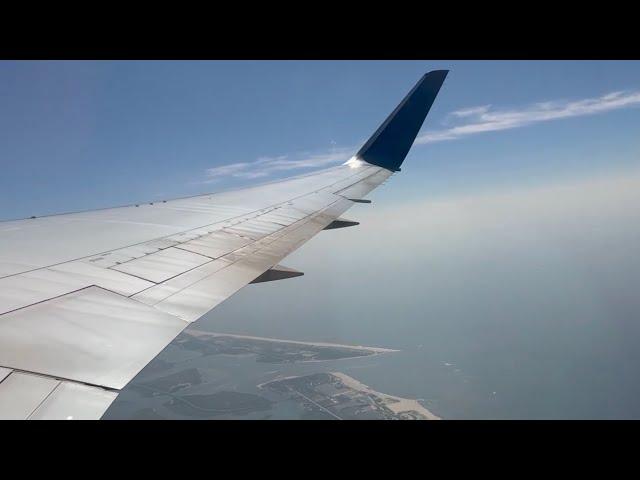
88, 299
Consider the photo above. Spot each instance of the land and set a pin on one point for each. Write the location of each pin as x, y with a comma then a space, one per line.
188, 382
338, 396
216, 404
270, 350
168, 384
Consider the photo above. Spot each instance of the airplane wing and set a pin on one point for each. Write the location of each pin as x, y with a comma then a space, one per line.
88, 299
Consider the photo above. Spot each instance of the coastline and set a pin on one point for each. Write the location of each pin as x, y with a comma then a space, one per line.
197, 333
397, 405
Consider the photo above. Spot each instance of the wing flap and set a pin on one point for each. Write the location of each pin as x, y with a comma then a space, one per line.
91, 336
157, 293
216, 244
160, 266
22, 393
26, 395
74, 401
26, 289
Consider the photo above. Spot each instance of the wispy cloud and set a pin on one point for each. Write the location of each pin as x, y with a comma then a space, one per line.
486, 119
460, 123
265, 166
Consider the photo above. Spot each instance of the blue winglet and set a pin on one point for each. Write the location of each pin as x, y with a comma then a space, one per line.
389, 145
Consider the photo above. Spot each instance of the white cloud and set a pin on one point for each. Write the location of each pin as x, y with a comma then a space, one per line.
265, 166
485, 119
226, 170
468, 112
466, 121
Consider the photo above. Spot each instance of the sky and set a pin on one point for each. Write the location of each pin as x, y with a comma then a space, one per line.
80, 135
503, 259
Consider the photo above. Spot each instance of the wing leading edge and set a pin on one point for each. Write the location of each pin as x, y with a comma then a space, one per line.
88, 299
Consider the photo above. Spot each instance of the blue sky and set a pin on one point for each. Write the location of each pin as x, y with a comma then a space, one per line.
78, 135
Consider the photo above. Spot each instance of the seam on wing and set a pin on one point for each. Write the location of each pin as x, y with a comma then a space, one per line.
53, 298
60, 379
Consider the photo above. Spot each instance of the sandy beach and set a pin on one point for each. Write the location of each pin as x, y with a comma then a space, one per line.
397, 404
198, 333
